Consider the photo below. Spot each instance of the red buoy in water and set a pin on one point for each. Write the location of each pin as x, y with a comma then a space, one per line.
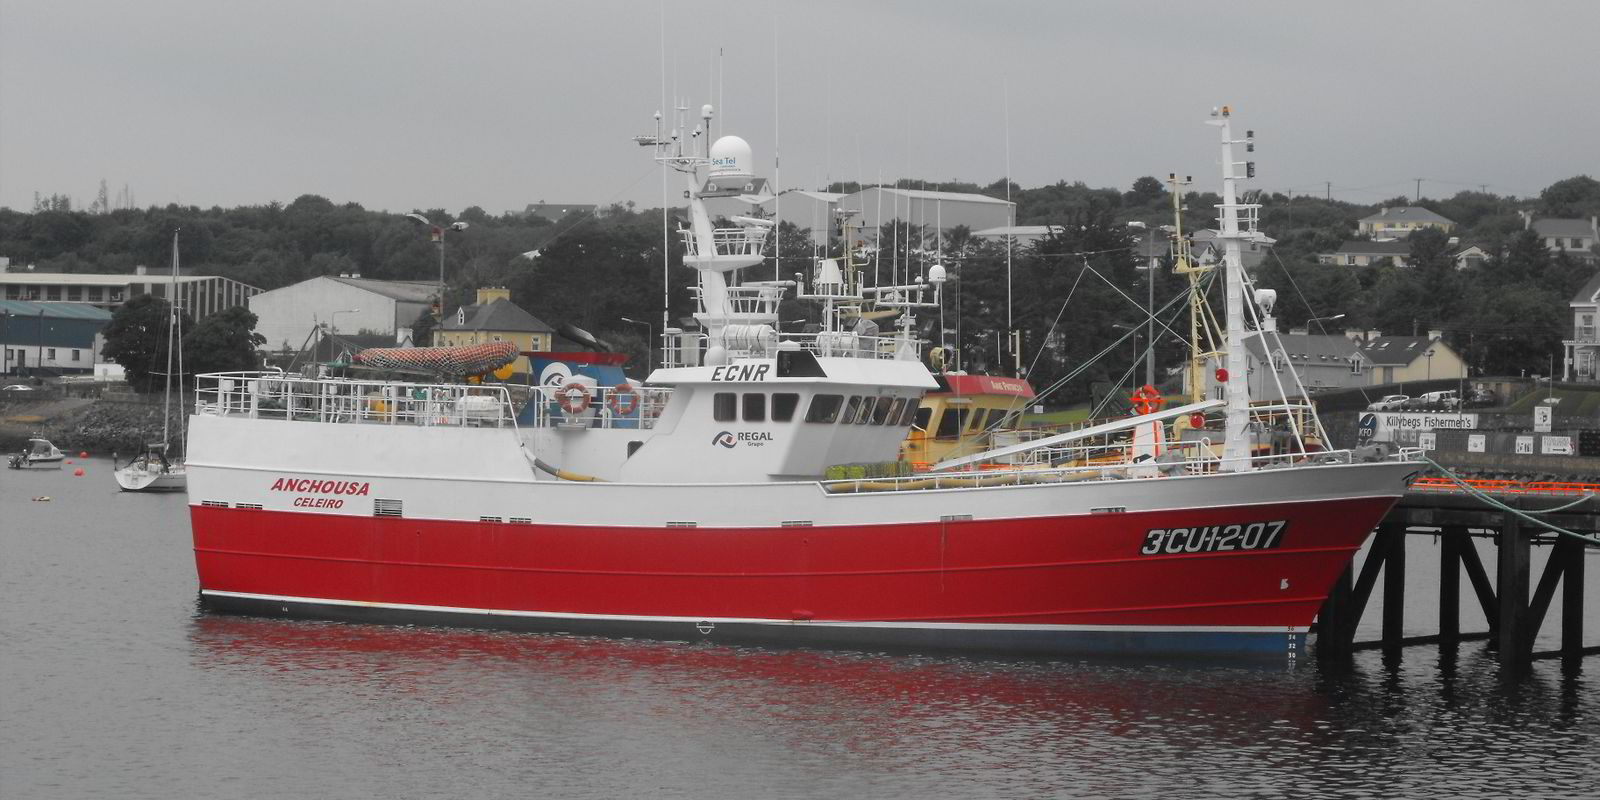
77, 473
83, 454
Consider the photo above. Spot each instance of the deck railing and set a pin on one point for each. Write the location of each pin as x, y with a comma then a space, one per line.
1203, 462
293, 398
276, 395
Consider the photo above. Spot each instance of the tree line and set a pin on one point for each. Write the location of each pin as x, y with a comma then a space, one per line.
591, 270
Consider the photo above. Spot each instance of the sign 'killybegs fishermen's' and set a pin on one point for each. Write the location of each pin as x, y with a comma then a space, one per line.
1403, 428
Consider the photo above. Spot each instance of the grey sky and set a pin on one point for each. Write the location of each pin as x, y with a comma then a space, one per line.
403, 105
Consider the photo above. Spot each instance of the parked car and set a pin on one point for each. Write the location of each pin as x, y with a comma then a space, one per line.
1480, 398
17, 387
1389, 402
1446, 400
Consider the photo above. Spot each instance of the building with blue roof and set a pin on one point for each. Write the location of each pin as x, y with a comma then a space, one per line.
55, 338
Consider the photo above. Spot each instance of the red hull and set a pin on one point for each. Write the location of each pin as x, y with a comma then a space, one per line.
1063, 571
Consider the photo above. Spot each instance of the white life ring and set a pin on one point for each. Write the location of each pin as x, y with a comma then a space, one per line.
573, 397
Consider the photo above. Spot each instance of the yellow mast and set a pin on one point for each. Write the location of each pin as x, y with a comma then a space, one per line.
1200, 319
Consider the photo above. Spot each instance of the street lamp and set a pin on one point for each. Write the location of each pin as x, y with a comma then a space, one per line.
438, 233
1134, 329
649, 331
1333, 318
333, 319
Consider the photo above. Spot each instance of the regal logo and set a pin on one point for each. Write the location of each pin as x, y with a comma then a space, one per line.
725, 438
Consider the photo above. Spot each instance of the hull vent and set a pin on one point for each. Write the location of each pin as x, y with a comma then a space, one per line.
796, 523
488, 519
250, 506
521, 521
386, 508
683, 524
213, 504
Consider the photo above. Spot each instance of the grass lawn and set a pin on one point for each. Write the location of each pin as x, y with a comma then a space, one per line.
1574, 402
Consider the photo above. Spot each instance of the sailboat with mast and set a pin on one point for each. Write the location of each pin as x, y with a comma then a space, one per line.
157, 469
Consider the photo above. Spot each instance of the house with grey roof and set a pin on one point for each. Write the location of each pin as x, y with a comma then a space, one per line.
1361, 253
1398, 359
1252, 251
1471, 255
1322, 362
1402, 222
494, 318
1581, 354
1575, 237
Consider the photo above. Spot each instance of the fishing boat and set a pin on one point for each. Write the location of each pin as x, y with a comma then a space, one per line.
698, 505
39, 454
153, 470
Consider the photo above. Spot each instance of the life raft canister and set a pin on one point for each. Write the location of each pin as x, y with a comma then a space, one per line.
623, 400
573, 397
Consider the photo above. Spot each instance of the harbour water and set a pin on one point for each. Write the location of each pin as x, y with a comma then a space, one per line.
113, 684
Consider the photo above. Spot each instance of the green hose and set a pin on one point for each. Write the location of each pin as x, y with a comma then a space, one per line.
1489, 499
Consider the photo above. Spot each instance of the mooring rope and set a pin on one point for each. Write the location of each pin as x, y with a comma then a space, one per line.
1517, 512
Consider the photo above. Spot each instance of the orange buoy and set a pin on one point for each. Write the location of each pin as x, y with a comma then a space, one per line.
77, 473
83, 454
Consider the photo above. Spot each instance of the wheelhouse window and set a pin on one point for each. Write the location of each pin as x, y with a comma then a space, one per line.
725, 406
755, 407
951, 422
924, 416
852, 410
897, 410
783, 406
880, 413
978, 419
912, 412
824, 408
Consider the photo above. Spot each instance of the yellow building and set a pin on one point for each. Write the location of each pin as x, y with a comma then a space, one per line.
494, 318
1396, 223
1398, 359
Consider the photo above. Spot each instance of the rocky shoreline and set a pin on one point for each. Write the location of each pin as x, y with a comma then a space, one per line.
101, 426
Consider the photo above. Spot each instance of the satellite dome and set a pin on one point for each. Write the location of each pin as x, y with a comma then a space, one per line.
730, 158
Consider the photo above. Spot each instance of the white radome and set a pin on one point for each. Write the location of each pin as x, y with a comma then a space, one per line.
730, 157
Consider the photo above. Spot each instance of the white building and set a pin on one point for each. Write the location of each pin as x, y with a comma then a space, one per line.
805, 210
287, 316
931, 210
200, 295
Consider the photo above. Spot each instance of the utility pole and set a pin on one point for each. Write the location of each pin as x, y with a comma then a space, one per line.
1328, 190
1419, 189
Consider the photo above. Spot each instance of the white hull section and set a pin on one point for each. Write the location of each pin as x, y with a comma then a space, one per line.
482, 474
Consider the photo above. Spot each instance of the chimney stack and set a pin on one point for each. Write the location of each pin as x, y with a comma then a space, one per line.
1353, 334
1373, 336
1435, 335
489, 294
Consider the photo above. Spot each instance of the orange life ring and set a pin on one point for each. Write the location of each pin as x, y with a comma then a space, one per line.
623, 400
573, 397
1146, 399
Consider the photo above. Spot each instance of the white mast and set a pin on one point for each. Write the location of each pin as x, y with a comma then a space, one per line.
1236, 446
172, 328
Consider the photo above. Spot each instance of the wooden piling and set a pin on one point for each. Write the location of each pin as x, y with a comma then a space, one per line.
1511, 571
1393, 539
1335, 629
1451, 539
1575, 554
